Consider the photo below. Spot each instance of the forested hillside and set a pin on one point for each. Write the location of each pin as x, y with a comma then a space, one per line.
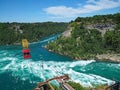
13, 33
90, 36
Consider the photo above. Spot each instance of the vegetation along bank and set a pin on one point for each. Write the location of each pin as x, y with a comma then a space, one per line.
96, 37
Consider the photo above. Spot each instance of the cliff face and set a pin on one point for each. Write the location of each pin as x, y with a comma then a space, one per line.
102, 27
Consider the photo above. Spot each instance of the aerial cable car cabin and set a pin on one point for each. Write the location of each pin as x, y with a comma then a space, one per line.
26, 53
26, 50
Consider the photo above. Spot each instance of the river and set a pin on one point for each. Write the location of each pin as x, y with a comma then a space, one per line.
19, 74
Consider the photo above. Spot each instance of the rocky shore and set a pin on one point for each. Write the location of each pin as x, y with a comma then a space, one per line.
109, 57
102, 57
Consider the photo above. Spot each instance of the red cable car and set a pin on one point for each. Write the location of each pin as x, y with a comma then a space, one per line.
26, 53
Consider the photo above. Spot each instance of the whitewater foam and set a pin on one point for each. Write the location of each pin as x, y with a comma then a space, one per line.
81, 63
88, 80
45, 70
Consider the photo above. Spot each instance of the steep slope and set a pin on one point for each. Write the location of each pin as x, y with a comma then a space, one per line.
90, 37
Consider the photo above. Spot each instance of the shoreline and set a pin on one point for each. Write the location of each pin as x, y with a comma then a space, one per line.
109, 57
113, 58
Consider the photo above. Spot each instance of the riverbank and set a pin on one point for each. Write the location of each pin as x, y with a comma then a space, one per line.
100, 57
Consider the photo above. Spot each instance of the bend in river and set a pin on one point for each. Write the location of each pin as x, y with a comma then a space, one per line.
19, 74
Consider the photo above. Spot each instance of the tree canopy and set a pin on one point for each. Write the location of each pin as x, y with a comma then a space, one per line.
88, 42
11, 33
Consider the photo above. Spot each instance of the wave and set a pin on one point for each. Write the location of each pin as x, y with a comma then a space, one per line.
88, 80
81, 63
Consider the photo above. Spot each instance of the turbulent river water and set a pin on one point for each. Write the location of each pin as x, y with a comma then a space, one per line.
19, 74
